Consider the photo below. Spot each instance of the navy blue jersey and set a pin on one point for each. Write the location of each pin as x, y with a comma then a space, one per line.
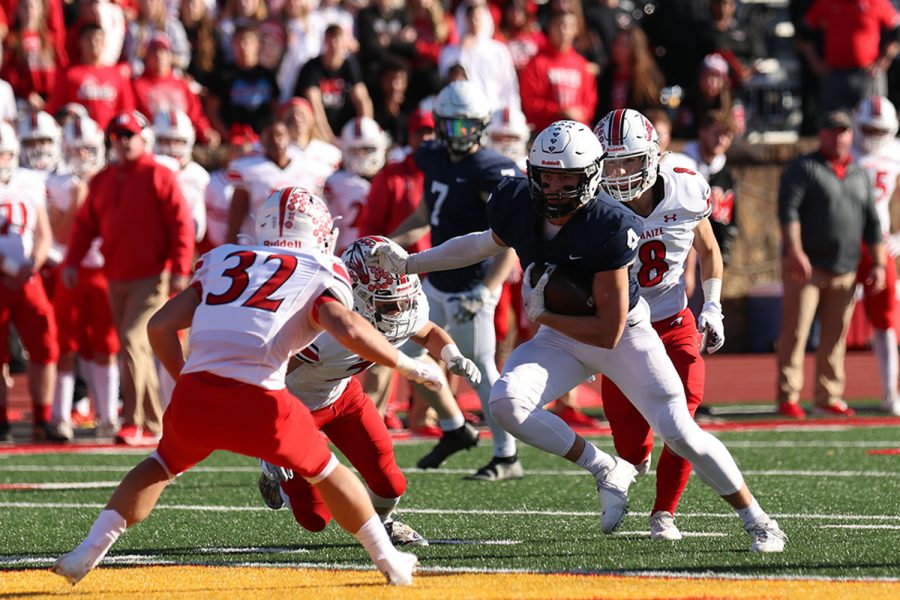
456, 195
602, 236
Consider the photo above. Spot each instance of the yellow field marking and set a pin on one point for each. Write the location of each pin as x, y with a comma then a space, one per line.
257, 582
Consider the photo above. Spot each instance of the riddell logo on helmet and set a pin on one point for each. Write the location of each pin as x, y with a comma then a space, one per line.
550, 162
284, 243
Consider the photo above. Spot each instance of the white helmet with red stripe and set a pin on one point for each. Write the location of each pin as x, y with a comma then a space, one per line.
874, 123
9, 144
508, 133
364, 145
174, 135
293, 217
83, 146
387, 300
40, 137
631, 162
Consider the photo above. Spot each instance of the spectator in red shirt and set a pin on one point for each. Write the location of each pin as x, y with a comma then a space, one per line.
103, 91
861, 40
557, 83
159, 89
53, 21
32, 58
137, 208
519, 30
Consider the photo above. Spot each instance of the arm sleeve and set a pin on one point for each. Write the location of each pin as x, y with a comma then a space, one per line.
791, 193
461, 251
872, 223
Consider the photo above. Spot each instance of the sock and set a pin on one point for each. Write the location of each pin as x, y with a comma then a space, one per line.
41, 414
104, 533
753, 514
86, 370
884, 342
106, 393
375, 539
62, 397
452, 424
595, 460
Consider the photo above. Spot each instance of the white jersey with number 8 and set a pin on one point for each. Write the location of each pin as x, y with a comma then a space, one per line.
667, 240
254, 311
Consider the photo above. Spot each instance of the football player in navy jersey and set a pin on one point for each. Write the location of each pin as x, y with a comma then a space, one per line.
555, 217
459, 176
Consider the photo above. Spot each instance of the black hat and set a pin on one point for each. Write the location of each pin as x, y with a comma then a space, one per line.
835, 119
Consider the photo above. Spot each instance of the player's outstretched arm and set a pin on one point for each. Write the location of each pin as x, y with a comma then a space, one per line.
441, 346
605, 327
164, 326
455, 253
356, 334
710, 321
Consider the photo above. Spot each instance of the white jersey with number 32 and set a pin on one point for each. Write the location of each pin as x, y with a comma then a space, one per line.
254, 310
667, 239
883, 168
327, 366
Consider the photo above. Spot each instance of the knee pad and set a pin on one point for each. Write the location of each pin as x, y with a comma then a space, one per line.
390, 485
503, 410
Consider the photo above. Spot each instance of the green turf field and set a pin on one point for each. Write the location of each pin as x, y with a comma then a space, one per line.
838, 503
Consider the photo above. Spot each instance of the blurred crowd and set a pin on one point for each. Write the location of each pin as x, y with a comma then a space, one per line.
335, 95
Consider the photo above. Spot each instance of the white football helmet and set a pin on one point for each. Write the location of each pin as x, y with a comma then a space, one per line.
564, 147
874, 124
387, 300
364, 145
41, 138
625, 134
9, 143
461, 114
508, 133
173, 135
293, 217
82, 143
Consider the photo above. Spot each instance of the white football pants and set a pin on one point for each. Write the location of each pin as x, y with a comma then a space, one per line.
477, 341
550, 364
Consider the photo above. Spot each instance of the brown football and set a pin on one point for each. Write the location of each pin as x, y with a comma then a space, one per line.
567, 293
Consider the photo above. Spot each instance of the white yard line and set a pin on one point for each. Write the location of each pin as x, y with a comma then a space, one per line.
451, 511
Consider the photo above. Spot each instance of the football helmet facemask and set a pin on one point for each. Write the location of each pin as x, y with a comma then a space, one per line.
628, 137
564, 147
173, 135
508, 133
874, 124
461, 114
388, 301
364, 145
83, 146
40, 137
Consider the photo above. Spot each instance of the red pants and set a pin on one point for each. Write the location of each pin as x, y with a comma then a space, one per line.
881, 307
30, 311
353, 424
209, 413
84, 317
631, 433
510, 305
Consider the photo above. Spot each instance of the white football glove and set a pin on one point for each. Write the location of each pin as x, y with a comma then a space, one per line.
892, 244
428, 374
533, 297
468, 303
275, 473
460, 365
389, 257
710, 324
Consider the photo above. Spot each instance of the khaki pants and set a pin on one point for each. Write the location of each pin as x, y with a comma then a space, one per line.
133, 303
833, 295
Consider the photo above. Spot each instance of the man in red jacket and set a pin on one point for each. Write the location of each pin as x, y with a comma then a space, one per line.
159, 89
103, 91
557, 83
138, 210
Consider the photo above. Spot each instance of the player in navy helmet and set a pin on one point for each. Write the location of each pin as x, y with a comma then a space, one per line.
459, 176
556, 216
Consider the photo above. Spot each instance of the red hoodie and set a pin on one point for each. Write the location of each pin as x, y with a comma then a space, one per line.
153, 94
103, 91
554, 81
138, 210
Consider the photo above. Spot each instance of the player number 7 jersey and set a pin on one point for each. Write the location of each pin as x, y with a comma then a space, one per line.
254, 310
